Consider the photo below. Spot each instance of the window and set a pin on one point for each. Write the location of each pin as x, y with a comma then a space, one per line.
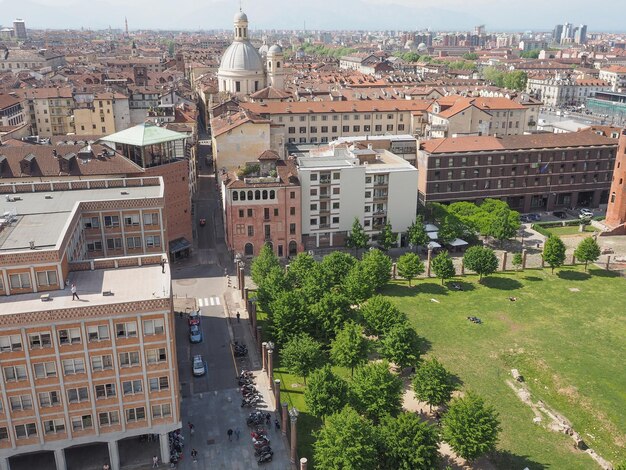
250, 230
99, 363
135, 414
378, 128
24, 431
313, 207
292, 195
154, 356
45, 369
302, 130
73, 366
94, 246
275, 212
313, 221
131, 387
98, 332
250, 212
69, 336
151, 219
47, 399
241, 212
292, 130
313, 192
54, 426
292, 229
81, 422
129, 359
389, 127
336, 190
313, 130
161, 411
39, 340
153, 240
10, 343
91, 222
159, 383
21, 402
356, 128
4, 432
114, 243
126, 330
47, 278
111, 221
292, 211
335, 220
109, 418
240, 229
15, 373
132, 219
133, 243
105, 390
19, 281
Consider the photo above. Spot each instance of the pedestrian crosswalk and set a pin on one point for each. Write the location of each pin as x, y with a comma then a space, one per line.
208, 301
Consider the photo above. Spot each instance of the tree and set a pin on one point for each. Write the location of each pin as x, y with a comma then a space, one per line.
301, 355
262, 264
534, 54
442, 266
380, 315
416, 233
470, 56
554, 252
289, 315
326, 393
387, 239
450, 228
515, 80
337, 265
517, 260
346, 441
358, 284
432, 383
272, 286
471, 427
377, 265
349, 348
408, 443
330, 314
481, 260
376, 391
357, 238
504, 224
299, 269
410, 266
587, 250
401, 345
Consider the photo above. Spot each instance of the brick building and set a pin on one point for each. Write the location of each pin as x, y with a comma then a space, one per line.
530, 172
616, 210
102, 368
262, 206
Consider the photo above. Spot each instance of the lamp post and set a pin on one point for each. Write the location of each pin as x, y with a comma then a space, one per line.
293, 415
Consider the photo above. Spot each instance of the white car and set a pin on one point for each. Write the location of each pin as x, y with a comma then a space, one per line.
585, 214
199, 366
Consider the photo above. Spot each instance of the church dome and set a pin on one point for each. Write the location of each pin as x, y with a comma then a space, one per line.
241, 56
275, 49
240, 16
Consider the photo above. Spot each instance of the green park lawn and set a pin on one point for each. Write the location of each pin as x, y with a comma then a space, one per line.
570, 230
569, 346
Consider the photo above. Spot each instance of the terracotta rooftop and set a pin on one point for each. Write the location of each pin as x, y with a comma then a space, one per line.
270, 93
337, 106
228, 121
285, 169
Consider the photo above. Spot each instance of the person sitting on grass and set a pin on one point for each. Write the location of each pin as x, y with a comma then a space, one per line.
512, 299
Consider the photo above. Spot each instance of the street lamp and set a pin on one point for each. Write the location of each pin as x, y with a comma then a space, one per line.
293, 413
270, 346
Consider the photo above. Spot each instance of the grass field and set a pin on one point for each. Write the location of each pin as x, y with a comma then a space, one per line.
569, 346
570, 230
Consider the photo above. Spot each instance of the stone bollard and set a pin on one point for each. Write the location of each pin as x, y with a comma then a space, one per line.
462, 268
277, 393
303, 463
504, 256
246, 295
430, 253
608, 262
263, 355
394, 270
259, 339
270, 365
524, 254
573, 260
284, 412
294, 436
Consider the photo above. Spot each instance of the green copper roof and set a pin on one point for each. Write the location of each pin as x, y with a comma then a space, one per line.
144, 134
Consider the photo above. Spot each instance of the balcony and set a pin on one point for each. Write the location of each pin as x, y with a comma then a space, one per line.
438, 127
325, 180
324, 195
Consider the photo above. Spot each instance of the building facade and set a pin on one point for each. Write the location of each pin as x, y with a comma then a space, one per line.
616, 209
102, 368
530, 172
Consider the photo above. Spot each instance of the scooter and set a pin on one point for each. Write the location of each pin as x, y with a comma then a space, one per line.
267, 457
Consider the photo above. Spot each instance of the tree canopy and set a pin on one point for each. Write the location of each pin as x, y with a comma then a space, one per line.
326, 392
416, 233
442, 266
410, 266
401, 345
587, 250
481, 260
408, 443
349, 348
377, 265
380, 315
301, 355
357, 238
387, 239
262, 264
376, 391
432, 383
554, 252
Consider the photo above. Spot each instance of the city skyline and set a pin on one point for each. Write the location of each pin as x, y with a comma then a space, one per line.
447, 15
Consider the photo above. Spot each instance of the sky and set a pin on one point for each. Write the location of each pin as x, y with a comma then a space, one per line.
446, 15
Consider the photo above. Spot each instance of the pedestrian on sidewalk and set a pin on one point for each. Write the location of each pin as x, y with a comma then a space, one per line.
268, 417
230, 434
155, 462
237, 432
277, 424
163, 261
74, 294
194, 455
238, 317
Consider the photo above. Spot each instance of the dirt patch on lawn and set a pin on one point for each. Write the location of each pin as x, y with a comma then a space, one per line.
513, 326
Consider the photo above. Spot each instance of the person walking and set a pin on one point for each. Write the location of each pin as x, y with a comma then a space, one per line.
230, 434
155, 462
191, 428
74, 294
238, 317
163, 265
194, 455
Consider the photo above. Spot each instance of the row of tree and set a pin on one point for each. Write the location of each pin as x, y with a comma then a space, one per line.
513, 80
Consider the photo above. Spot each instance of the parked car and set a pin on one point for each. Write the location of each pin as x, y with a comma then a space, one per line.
194, 318
195, 333
199, 366
559, 214
524, 219
585, 213
534, 217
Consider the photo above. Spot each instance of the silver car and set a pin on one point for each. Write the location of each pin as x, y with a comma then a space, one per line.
199, 366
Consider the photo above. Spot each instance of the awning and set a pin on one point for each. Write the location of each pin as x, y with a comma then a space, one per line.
433, 235
179, 244
433, 245
457, 242
431, 228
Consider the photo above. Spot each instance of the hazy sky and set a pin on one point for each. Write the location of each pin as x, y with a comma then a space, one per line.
318, 14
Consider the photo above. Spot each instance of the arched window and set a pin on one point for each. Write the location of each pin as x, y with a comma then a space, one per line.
243, 196
257, 195
270, 245
250, 195
235, 195
248, 249
264, 194
277, 65
293, 248
272, 194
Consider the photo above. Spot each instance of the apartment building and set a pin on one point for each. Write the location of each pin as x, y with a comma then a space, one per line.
14, 121
102, 368
19, 60
50, 110
616, 76
557, 91
325, 121
342, 182
262, 206
530, 172
100, 113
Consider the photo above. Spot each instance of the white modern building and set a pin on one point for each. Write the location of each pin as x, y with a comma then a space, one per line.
341, 182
